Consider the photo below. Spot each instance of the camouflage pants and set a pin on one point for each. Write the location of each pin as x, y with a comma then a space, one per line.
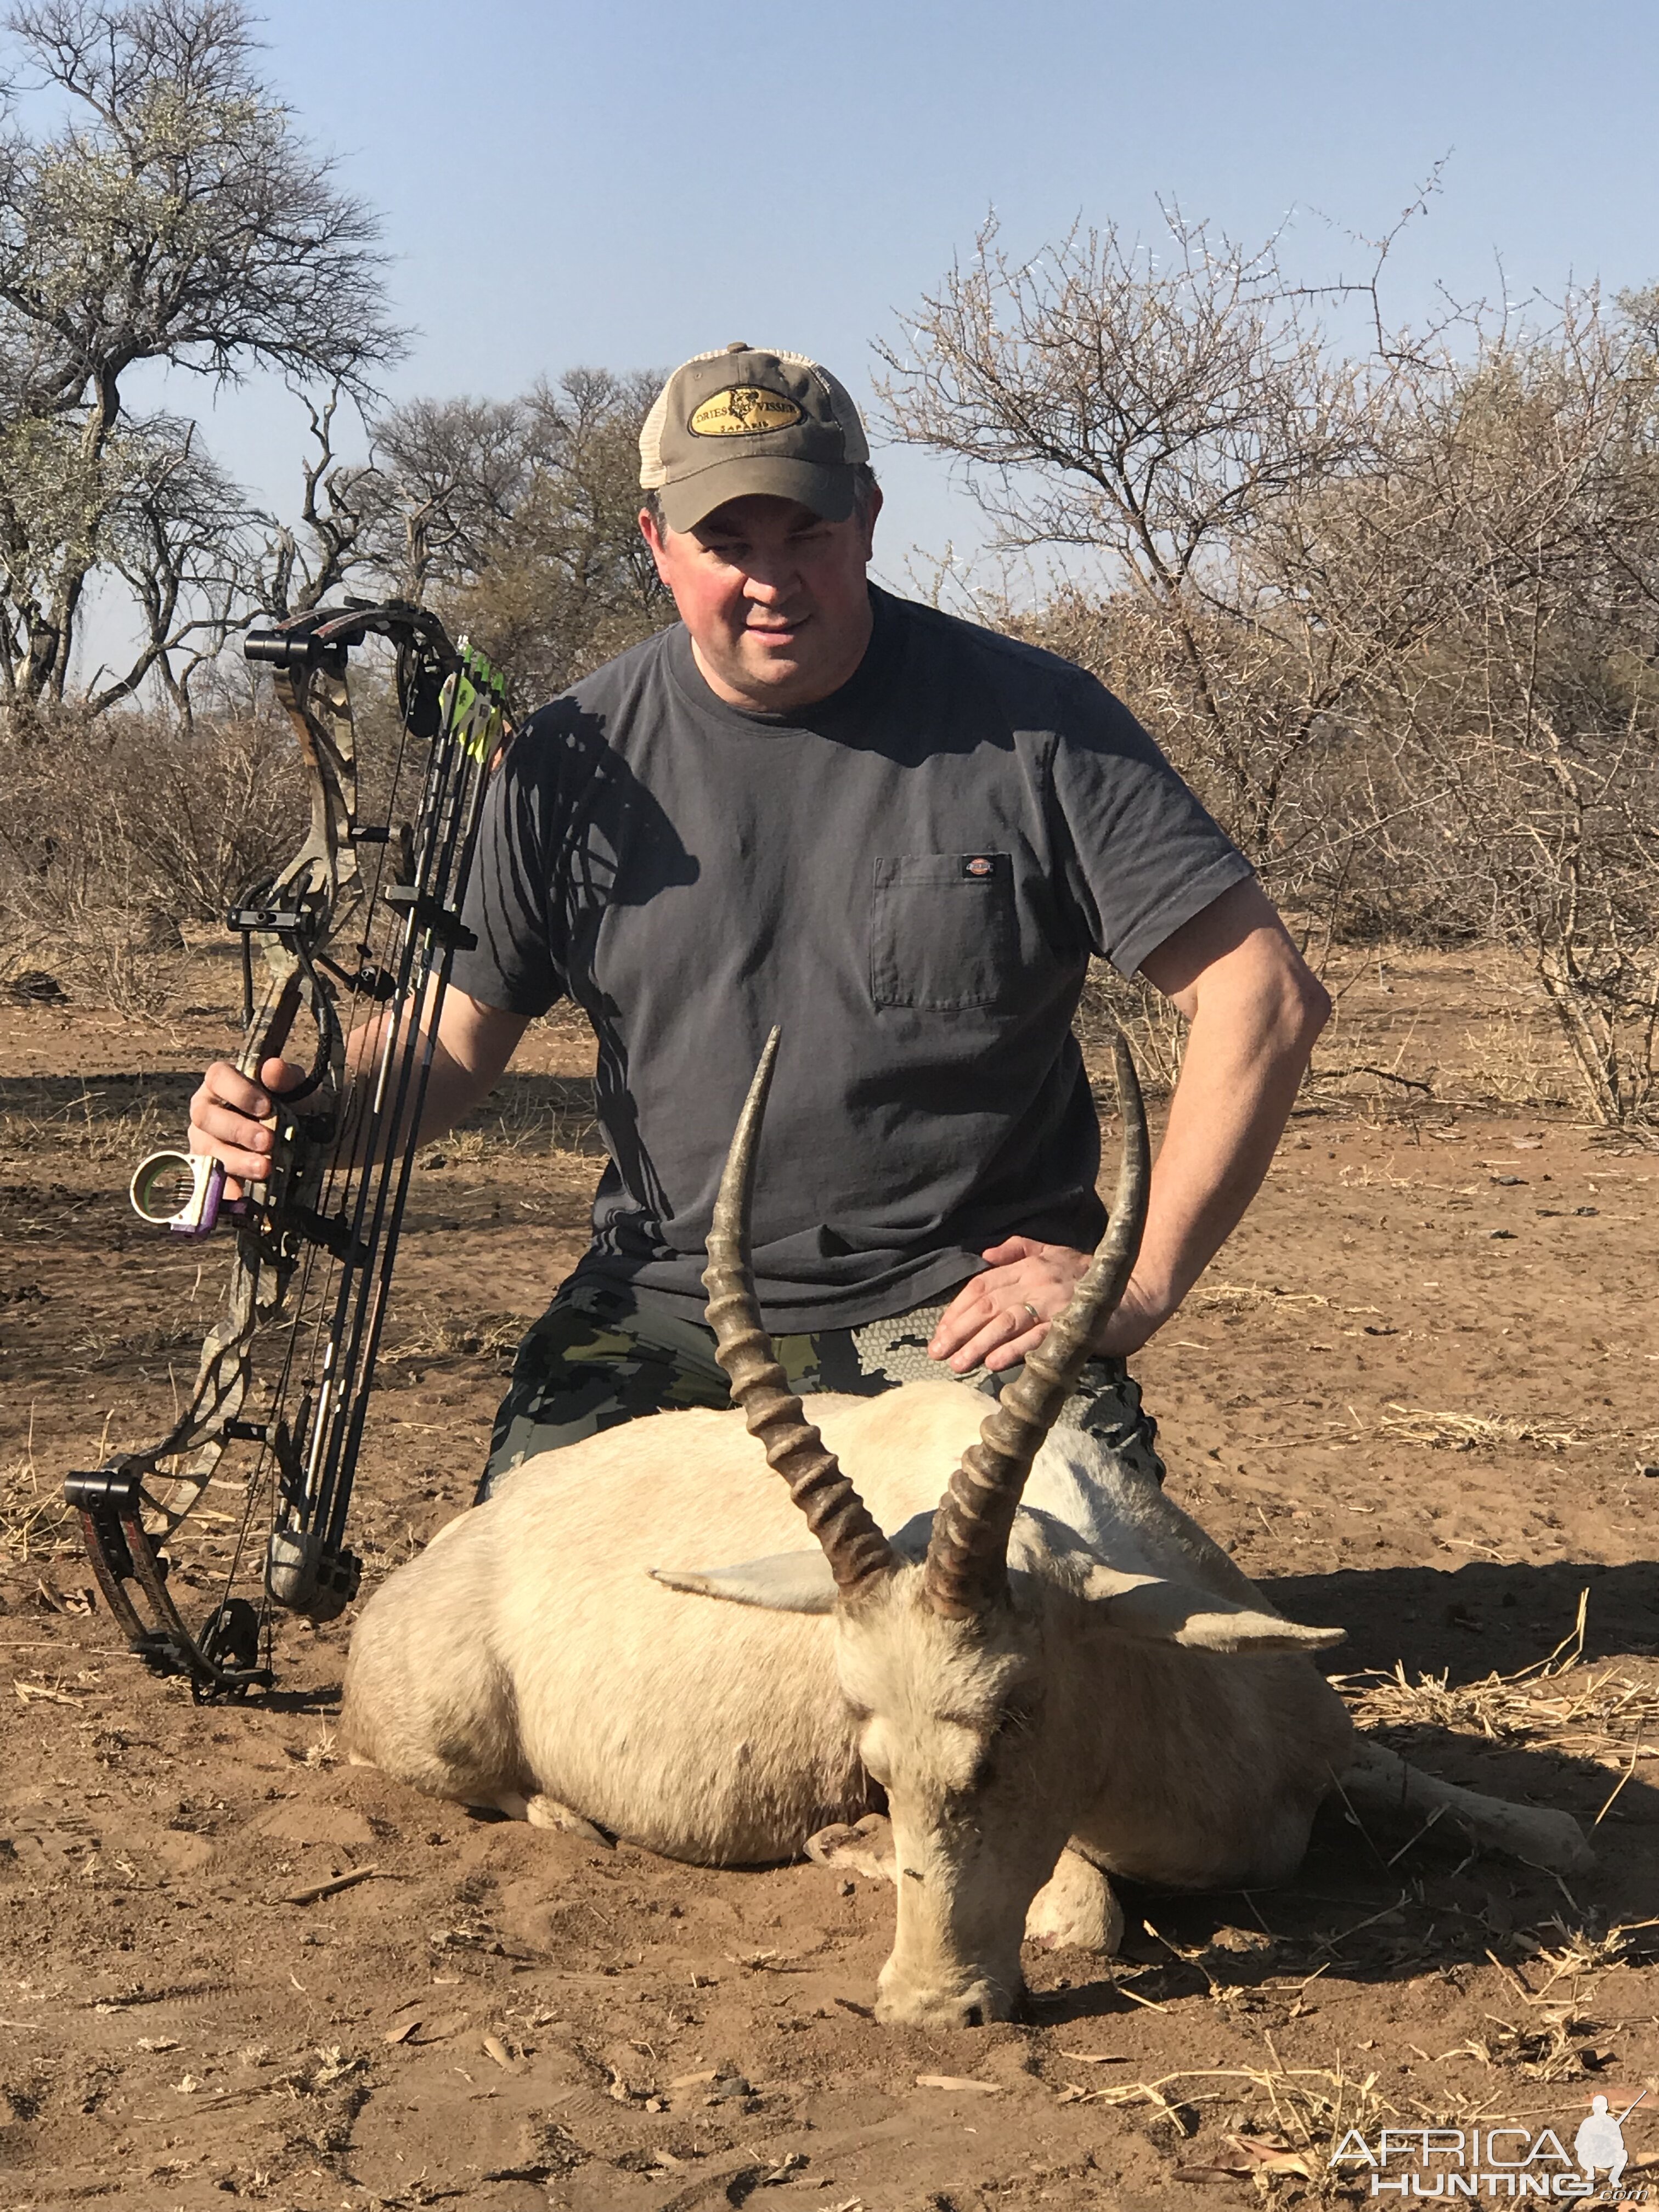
596, 1358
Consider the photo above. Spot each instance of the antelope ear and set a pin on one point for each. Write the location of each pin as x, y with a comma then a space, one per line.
911, 1541
1154, 1611
787, 1582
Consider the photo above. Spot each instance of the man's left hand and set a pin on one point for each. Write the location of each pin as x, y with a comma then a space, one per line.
1000, 1317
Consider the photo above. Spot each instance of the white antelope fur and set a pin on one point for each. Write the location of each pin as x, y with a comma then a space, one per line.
1137, 1695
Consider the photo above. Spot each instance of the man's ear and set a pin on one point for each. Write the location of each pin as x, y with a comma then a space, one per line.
652, 538
1153, 1611
871, 510
788, 1581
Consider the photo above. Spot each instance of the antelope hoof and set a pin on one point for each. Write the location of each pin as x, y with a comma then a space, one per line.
1075, 1909
865, 1848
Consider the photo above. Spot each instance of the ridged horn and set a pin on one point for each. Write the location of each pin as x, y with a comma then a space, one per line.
860, 1556
967, 1567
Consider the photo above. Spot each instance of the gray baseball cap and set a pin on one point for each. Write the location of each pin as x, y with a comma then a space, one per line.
745, 419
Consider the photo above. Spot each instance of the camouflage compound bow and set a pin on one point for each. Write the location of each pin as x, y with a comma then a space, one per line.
388, 898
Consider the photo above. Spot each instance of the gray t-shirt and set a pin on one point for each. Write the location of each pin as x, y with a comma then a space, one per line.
909, 876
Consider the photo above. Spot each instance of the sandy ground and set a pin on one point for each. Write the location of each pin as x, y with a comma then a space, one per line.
1417, 1396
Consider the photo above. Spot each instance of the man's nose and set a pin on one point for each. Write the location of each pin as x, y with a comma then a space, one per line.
770, 581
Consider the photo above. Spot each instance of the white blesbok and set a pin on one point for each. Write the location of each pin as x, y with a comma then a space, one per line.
1053, 1677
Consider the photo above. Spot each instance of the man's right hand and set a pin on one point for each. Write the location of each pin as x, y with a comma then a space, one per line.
228, 1114
474, 1043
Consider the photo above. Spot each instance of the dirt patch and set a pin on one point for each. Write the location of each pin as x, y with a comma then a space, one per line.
1417, 1396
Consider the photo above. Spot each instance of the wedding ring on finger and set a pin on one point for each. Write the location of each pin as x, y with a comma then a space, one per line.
1032, 1310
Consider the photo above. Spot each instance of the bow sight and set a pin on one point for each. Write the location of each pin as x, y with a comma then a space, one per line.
320, 1233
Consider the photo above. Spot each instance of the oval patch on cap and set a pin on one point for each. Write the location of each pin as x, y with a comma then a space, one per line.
742, 409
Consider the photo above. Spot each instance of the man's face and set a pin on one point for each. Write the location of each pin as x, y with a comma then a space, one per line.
773, 597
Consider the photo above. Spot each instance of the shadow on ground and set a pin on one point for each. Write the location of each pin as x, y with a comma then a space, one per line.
1478, 1619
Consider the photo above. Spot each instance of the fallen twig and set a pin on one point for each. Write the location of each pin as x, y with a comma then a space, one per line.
330, 1889
1383, 1074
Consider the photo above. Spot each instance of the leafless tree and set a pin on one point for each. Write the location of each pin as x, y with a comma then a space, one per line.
179, 534
452, 476
174, 216
568, 582
335, 536
517, 517
1176, 419
1533, 726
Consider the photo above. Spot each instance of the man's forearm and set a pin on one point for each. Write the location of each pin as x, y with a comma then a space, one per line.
472, 1047
1239, 1076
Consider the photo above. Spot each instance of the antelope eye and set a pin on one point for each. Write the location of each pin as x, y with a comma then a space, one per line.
1012, 1720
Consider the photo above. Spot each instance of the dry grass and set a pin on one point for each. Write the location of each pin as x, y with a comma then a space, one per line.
1156, 1032
1549, 2042
34, 1521
1285, 2120
1246, 1297
1606, 1714
1418, 1424
1518, 1059
425, 1329
529, 1115
100, 956
1393, 1056
1578, 1954
93, 1129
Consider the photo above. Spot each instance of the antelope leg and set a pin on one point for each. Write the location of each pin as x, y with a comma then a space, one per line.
1075, 1909
1380, 1780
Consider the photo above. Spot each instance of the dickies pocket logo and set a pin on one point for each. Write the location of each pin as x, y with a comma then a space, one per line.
979, 867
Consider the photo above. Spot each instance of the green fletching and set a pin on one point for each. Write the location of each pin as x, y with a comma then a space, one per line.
472, 703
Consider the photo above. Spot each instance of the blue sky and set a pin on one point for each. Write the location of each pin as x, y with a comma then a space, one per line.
628, 184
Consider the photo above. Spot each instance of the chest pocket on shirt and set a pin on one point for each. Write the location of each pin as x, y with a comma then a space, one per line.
944, 935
